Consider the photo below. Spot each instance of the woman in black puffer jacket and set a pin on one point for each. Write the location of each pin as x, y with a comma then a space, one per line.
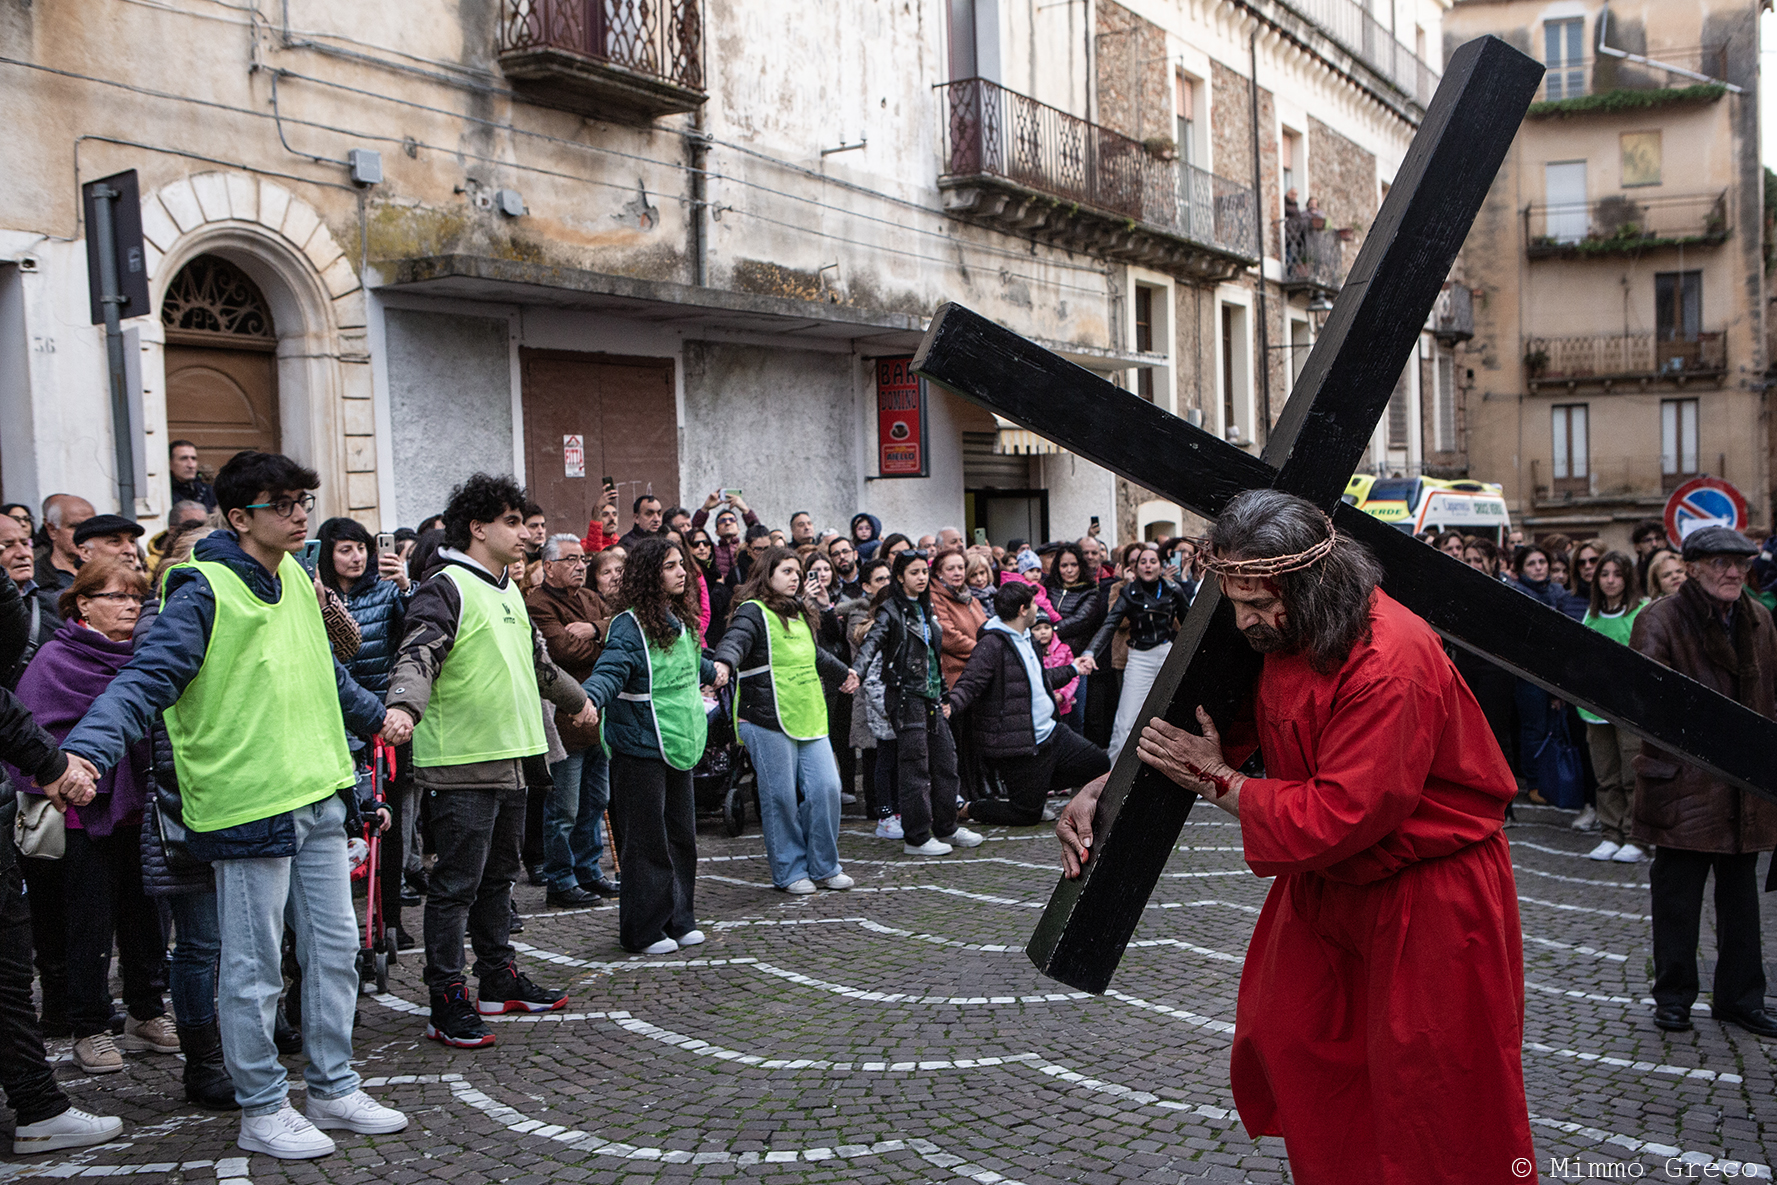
1073, 590
1154, 608
377, 600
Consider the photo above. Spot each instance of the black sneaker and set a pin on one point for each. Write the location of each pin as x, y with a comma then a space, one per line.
454, 1021
516, 924
511, 990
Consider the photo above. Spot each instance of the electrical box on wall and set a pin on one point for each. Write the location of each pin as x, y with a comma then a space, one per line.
509, 202
366, 165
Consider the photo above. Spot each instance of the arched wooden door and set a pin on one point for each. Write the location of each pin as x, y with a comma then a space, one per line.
221, 360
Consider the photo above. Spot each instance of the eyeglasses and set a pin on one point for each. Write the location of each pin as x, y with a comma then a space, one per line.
701, 543
572, 561
116, 596
1721, 563
284, 507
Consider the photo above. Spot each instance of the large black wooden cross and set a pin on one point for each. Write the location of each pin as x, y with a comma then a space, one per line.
1315, 446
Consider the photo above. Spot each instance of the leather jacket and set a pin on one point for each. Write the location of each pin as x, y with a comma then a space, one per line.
895, 634
1153, 612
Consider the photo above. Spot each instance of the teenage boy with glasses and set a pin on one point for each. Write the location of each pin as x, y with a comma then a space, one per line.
257, 711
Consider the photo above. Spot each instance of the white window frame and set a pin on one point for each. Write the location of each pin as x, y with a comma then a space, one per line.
1164, 298
1245, 392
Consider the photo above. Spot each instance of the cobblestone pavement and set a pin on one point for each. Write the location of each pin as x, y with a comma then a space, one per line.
896, 1033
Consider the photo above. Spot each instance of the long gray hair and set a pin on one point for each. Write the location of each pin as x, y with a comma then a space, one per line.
1327, 604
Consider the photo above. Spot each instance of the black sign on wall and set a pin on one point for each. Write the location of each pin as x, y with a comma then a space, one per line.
132, 262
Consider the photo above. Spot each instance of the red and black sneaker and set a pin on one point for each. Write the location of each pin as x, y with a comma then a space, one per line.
511, 990
454, 1020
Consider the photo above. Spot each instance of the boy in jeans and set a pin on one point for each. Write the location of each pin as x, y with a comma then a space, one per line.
257, 710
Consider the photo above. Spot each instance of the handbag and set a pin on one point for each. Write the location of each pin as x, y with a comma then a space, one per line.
169, 825
1563, 781
39, 829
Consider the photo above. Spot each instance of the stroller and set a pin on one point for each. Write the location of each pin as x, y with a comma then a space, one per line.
378, 950
724, 780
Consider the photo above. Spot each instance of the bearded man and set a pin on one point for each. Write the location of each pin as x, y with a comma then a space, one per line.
1381, 1007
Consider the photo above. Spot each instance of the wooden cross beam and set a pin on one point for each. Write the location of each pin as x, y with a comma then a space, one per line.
1314, 448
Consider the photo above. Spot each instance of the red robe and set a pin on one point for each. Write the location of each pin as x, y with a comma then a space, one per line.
1381, 1012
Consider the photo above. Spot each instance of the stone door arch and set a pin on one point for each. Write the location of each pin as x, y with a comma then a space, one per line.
314, 303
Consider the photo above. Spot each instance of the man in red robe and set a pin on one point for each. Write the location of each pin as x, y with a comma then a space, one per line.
1381, 1009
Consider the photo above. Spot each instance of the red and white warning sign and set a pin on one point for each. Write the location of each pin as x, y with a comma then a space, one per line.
573, 455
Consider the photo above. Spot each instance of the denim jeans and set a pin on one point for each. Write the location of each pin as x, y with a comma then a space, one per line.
798, 803
479, 837
250, 898
574, 819
197, 952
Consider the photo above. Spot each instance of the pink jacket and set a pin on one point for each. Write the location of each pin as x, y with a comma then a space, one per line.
1060, 654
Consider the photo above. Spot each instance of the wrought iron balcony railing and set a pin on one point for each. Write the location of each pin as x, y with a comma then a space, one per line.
1366, 38
994, 133
1313, 258
1454, 314
1597, 75
1610, 359
606, 57
1625, 222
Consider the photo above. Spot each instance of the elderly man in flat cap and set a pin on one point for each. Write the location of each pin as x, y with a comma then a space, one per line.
1715, 631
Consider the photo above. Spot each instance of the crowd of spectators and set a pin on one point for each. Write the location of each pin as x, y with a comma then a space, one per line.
931, 681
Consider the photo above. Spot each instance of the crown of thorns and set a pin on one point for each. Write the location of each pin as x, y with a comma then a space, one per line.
1275, 565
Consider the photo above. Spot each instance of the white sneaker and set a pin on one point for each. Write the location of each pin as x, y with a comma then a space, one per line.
931, 847
690, 938
964, 838
838, 881
1629, 854
285, 1135
1587, 820
73, 1128
665, 946
889, 828
800, 887
355, 1112
1604, 851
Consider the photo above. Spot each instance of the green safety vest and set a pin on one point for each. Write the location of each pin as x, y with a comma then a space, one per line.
259, 732
1617, 628
484, 704
674, 697
795, 680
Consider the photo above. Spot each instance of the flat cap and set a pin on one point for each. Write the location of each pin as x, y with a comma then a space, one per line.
1717, 541
106, 524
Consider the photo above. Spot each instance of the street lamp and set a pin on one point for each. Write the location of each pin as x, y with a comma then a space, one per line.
1319, 308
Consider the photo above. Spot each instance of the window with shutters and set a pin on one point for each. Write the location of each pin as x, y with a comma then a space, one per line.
1399, 417
1572, 462
1678, 442
1446, 402
1144, 339
1563, 43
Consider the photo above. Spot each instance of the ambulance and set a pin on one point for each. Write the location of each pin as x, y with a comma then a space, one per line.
1418, 504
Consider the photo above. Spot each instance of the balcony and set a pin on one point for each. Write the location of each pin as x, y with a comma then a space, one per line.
628, 61
1614, 360
1692, 67
1623, 487
1022, 166
1623, 224
1369, 40
1314, 258
1454, 314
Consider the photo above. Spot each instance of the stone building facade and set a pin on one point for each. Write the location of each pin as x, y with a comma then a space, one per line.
1620, 301
670, 242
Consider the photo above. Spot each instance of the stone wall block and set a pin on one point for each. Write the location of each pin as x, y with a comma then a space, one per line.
212, 195
300, 224
158, 226
359, 415
360, 454
181, 203
322, 250
348, 310
243, 197
274, 202
339, 277
355, 383
151, 258
361, 491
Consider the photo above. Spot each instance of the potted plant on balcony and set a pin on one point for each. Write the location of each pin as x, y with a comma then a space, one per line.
1536, 360
1161, 148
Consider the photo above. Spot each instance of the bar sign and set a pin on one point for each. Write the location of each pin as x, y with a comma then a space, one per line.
573, 455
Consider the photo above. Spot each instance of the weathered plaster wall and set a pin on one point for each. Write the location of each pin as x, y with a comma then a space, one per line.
450, 405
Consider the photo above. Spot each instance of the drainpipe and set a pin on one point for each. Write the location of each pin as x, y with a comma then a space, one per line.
1264, 417
700, 149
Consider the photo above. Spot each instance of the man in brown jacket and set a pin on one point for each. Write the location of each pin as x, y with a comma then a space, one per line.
1713, 630
567, 614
